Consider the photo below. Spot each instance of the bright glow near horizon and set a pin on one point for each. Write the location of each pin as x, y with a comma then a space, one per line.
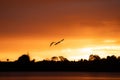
102, 51
72, 54
83, 53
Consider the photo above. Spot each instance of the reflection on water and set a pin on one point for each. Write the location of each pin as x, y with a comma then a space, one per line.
59, 76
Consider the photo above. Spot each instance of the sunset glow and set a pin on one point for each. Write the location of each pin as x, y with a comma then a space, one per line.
87, 27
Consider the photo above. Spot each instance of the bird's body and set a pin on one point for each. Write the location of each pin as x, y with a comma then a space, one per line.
57, 43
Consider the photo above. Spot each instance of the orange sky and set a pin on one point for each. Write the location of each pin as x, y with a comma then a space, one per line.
31, 25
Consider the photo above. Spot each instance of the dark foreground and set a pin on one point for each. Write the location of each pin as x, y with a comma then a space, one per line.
86, 66
95, 64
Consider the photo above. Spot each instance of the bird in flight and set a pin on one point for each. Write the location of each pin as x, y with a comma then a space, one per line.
56, 43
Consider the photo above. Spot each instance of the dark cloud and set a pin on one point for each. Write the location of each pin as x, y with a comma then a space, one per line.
49, 17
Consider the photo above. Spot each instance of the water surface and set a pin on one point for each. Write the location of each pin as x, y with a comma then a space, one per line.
59, 76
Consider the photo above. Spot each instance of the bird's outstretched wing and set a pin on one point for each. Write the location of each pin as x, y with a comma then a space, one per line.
51, 43
59, 42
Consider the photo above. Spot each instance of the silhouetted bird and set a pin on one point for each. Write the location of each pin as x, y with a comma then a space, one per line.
56, 43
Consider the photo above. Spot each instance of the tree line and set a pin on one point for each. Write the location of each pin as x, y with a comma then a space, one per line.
92, 57
60, 63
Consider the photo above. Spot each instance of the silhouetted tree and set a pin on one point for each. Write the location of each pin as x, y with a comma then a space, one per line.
93, 57
47, 59
111, 59
118, 57
63, 58
33, 60
7, 60
54, 58
24, 59
81, 60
